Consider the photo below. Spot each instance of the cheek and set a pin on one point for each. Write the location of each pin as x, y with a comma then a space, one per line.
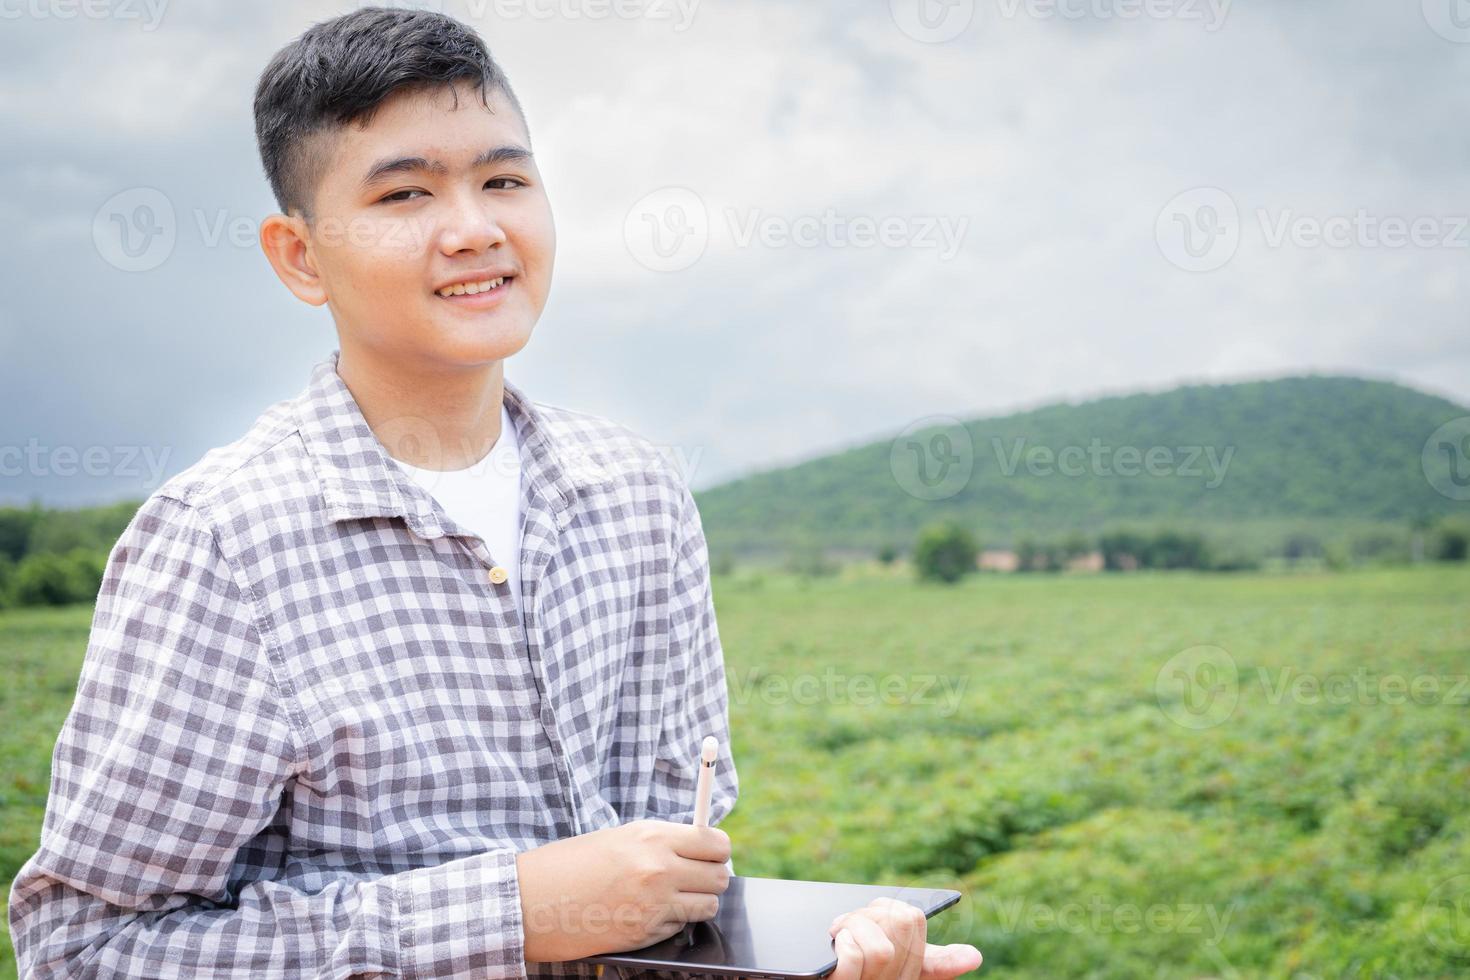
537, 233
370, 258
368, 291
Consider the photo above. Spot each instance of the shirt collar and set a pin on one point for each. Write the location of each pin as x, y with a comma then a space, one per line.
360, 480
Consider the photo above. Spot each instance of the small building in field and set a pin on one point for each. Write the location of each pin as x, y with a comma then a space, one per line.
1092, 561
997, 560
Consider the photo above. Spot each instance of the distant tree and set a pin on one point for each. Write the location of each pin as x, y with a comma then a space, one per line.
1236, 561
1075, 545
1040, 556
85, 569
7, 576
1027, 551
723, 563
1124, 549
1451, 543
61, 531
1300, 544
945, 552
46, 579
1379, 546
1177, 549
92, 528
887, 554
16, 525
1167, 548
43, 580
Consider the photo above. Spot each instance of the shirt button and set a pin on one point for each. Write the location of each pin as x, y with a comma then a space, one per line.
498, 574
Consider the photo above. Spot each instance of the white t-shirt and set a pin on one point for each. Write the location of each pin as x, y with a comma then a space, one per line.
485, 499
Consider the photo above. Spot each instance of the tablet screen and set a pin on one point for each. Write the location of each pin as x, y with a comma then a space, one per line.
770, 927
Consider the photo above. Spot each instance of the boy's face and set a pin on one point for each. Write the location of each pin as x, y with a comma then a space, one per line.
388, 236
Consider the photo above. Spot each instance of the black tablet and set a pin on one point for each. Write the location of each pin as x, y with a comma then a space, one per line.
770, 927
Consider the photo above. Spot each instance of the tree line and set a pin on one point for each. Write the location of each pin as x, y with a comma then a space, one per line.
54, 557
948, 550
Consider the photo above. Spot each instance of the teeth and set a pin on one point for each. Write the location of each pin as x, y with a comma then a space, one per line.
471, 288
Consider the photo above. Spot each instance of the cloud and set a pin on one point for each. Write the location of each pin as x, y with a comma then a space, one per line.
1050, 144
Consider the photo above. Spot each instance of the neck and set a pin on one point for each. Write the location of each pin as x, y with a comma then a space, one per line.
428, 416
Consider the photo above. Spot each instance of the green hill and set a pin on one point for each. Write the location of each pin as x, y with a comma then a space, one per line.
1254, 460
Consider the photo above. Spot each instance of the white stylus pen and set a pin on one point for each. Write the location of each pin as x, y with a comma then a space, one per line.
707, 753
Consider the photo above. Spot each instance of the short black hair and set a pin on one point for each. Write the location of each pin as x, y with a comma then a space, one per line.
340, 71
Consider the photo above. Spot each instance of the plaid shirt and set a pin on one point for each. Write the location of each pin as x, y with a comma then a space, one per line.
311, 734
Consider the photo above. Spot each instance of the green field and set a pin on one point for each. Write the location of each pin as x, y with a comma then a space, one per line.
1165, 775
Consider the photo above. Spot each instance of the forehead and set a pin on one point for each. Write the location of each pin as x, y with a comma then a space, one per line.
430, 121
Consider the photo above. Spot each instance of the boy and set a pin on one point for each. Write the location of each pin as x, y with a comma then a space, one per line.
411, 679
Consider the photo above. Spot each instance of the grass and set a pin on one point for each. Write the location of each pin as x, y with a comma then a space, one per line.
41, 654
1095, 826
1047, 746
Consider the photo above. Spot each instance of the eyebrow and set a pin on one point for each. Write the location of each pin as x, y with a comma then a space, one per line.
406, 165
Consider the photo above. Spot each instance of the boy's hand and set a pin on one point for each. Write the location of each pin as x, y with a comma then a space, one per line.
619, 888
885, 940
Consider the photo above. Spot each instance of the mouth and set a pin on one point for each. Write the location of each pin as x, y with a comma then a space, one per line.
477, 295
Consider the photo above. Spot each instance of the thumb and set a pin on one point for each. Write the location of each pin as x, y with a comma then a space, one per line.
944, 962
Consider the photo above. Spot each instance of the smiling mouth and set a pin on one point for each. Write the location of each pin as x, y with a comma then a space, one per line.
485, 296
468, 289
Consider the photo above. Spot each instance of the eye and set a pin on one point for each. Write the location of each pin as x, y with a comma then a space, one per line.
398, 195
515, 181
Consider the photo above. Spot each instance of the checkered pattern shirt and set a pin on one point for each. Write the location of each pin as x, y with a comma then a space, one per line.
311, 733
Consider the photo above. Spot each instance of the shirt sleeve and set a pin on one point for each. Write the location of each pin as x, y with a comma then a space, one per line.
175, 755
696, 702
695, 696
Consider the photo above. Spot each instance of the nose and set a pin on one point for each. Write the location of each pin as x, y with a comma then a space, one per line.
471, 225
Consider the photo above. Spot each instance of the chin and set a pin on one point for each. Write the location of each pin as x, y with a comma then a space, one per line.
471, 344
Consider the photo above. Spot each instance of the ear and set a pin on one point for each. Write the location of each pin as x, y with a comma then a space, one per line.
286, 242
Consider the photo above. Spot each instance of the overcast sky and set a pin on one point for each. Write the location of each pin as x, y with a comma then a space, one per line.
888, 210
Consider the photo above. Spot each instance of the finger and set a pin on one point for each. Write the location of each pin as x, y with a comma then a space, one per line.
840, 922
658, 931
682, 908
880, 958
849, 958
907, 928
900, 920
876, 909
944, 962
709, 877
700, 843
910, 929
698, 906
872, 907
